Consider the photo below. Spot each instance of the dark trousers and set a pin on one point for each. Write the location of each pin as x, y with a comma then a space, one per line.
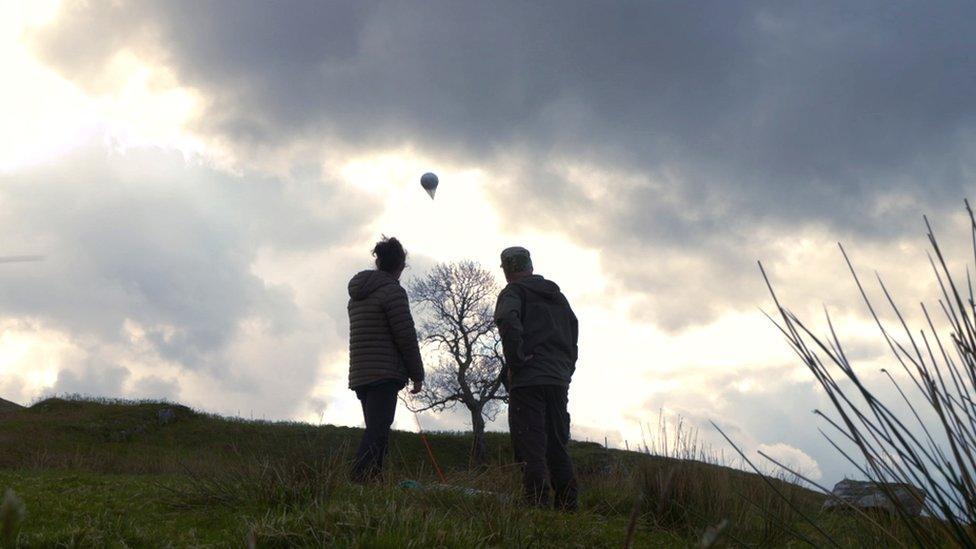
539, 424
379, 406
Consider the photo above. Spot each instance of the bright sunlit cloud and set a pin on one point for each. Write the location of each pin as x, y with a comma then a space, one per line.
31, 358
45, 116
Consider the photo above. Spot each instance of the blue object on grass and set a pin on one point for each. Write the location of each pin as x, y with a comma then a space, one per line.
409, 485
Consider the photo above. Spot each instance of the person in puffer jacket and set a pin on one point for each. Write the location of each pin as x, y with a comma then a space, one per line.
383, 351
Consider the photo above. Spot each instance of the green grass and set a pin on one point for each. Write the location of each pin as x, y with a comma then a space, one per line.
68, 508
6, 405
106, 473
98, 473
77, 508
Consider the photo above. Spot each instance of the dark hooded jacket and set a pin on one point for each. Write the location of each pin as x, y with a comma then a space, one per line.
539, 333
382, 338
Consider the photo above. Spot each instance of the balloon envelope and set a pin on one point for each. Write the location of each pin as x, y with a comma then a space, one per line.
429, 182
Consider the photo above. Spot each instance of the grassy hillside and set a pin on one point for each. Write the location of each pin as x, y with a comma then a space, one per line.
6, 405
106, 473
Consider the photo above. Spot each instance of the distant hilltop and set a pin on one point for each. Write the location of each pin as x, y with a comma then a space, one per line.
7, 405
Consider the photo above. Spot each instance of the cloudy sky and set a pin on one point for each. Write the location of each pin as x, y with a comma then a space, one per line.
204, 177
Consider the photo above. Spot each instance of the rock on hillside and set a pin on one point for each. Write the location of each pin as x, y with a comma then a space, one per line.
868, 495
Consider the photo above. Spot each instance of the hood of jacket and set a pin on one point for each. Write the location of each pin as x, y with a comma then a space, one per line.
536, 284
366, 282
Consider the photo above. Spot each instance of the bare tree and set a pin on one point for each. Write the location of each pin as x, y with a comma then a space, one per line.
455, 302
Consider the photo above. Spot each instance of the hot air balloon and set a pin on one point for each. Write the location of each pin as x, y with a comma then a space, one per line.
429, 182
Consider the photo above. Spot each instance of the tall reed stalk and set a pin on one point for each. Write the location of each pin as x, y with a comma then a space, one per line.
926, 436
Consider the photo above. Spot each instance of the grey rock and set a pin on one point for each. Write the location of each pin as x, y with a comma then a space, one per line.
869, 496
166, 415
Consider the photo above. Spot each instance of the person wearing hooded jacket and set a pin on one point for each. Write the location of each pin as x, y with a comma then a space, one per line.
539, 334
383, 351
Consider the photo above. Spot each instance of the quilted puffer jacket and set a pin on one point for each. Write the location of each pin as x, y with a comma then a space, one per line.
382, 338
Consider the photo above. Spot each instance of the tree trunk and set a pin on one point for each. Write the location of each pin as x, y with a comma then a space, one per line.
479, 449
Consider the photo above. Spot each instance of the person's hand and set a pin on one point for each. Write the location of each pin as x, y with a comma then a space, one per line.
417, 387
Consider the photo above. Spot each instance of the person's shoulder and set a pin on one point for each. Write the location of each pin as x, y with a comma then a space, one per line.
393, 291
511, 289
359, 278
509, 299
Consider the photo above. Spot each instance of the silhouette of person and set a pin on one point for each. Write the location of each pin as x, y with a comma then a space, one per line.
383, 351
539, 334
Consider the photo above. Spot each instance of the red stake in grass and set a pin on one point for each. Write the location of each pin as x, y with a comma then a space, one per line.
430, 452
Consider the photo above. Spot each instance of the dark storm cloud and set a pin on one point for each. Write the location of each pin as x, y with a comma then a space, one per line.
854, 117
145, 241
